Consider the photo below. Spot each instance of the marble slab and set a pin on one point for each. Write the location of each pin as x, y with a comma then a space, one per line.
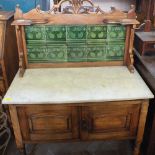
75, 85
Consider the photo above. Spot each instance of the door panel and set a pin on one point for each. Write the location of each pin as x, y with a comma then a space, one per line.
119, 122
109, 120
44, 122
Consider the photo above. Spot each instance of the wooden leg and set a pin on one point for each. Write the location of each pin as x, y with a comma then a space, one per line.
22, 151
141, 126
16, 129
147, 27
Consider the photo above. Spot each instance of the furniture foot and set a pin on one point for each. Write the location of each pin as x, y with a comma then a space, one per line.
22, 151
141, 126
137, 149
16, 128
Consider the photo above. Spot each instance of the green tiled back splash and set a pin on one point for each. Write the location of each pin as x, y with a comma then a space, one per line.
75, 43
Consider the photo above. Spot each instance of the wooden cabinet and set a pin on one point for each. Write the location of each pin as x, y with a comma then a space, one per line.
8, 51
145, 42
94, 121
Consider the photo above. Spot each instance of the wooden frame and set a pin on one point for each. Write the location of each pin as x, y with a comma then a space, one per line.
76, 13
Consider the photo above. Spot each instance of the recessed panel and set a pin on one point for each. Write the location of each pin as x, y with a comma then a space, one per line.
47, 122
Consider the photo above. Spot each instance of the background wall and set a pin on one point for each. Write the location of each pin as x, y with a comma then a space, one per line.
26, 5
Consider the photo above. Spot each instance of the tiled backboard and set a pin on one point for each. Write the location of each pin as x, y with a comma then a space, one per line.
75, 43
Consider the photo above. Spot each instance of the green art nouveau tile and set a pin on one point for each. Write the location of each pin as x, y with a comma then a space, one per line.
36, 53
76, 33
35, 34
55, 34
47, 54
116, 32
96, 53
57, 53
115, 52
96, 33
77, 53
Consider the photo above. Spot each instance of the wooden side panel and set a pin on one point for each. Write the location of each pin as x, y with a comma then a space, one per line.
2, 41
43, 123
10, 52
2, 87
2, 34
109, 121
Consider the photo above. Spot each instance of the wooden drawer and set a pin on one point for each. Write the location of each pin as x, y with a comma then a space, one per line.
48, 122
110, 121
149, 47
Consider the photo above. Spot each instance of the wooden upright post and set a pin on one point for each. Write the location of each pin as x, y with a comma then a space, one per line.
141, 127
148, 21
154, 15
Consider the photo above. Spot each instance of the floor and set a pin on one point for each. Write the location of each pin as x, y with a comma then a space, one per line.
76, 148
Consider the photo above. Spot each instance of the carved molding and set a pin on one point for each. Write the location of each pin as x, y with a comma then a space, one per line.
77, 7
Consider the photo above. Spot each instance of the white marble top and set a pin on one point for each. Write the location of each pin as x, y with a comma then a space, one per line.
74, 85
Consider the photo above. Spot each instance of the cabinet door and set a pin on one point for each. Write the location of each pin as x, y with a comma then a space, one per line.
113, 120
48, 122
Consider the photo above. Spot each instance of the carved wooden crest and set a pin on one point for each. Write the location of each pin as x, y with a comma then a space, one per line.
77, 7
